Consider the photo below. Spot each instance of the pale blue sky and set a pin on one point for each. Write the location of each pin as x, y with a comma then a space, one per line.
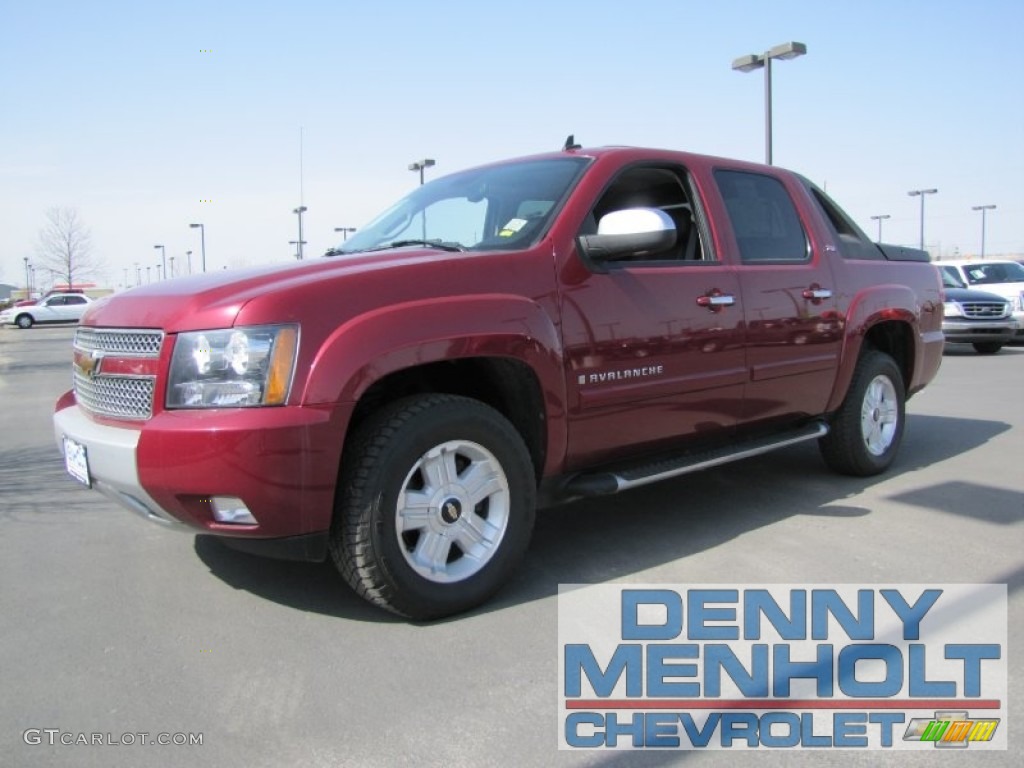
115, 109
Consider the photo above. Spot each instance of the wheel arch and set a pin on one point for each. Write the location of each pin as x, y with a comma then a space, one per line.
507, 385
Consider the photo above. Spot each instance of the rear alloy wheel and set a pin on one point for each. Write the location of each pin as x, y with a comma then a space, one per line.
436, 506
867, 429
987, 347
24, 321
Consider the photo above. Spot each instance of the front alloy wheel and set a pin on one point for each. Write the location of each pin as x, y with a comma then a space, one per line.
453, 511
435, 506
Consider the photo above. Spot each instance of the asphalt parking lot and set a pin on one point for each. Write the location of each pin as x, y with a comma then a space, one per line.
114, 625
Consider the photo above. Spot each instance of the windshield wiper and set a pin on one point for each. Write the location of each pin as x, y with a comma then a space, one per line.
442, 245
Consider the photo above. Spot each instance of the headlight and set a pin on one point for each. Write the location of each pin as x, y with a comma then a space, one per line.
951, 309
232, 368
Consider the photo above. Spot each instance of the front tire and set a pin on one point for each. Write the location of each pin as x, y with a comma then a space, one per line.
987, 347
24, 322
436, 506
867, 429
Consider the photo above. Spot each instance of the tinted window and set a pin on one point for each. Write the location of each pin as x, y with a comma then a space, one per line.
763, 217
74, 300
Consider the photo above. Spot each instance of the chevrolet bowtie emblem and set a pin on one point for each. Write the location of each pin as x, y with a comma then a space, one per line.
89, 363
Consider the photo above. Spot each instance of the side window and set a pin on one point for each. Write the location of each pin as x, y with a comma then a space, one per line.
763, 218
74, 300
656, 187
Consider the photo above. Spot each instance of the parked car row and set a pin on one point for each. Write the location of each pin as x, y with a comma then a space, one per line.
55, 308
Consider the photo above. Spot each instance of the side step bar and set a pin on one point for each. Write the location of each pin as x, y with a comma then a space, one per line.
613, 481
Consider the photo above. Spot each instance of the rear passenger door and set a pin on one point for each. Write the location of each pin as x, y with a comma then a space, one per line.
793, 331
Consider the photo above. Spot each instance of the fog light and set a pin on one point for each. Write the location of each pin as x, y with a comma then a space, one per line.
231, 509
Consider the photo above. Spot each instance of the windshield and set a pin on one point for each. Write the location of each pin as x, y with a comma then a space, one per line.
950, 279
997, 272
503, 207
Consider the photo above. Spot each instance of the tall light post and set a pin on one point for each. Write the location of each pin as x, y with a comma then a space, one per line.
202, 239
163, 260
172, 266
921, 193
880, 218
421, 165
298, 249
983, 209
300, 242
344, 232
752, 61
188, 255
138, 274
28, 279
158, 277
148, 275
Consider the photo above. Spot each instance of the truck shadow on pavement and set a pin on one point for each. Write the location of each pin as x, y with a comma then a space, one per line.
603, 539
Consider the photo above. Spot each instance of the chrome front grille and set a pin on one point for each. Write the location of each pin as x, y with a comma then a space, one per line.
119, 397
105, 393
119, 342
985, 310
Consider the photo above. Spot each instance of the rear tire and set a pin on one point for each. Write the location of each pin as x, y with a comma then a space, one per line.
435, 507
867, 429
987, 347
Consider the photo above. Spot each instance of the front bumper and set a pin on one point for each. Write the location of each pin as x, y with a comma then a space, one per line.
281, 462
979, 331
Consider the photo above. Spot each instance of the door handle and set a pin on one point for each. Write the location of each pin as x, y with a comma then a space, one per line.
817, 294
716, 301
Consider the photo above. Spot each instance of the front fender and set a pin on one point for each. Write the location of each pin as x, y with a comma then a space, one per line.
400, 336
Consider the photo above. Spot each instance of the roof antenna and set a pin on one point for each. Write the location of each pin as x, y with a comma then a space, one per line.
570, 143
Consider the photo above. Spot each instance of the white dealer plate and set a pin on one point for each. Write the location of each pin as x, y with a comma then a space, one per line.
76, 461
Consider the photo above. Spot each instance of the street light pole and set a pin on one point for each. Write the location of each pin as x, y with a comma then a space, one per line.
344, 232
202, 238
420, 165
880, 218
300, 242
921, 193
983, 209
138, 274
163, 260
188, 255
28, 280
750, 62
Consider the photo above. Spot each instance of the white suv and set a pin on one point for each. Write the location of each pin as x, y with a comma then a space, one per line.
1005, 278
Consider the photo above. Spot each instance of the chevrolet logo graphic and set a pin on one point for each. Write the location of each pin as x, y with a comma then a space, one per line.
89, 363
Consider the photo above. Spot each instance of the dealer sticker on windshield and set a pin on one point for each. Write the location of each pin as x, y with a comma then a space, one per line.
76, 461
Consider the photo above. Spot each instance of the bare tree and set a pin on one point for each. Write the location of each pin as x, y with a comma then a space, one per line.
65, 246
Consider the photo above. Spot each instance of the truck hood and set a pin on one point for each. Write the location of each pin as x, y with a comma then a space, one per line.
216, 299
